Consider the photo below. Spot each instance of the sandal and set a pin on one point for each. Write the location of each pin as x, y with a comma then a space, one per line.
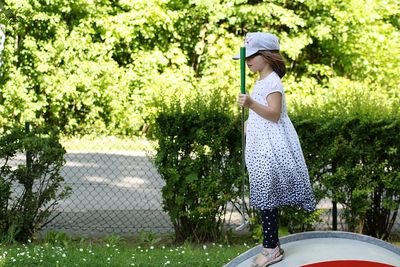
281, 251
264, 258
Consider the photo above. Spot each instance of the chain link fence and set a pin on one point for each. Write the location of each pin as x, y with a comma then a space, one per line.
116, 189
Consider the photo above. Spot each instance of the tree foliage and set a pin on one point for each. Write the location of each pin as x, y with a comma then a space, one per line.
105, 66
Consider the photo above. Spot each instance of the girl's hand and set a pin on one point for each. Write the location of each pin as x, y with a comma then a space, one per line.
244, 100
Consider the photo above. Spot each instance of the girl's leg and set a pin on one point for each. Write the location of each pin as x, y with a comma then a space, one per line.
271, 253
269, 219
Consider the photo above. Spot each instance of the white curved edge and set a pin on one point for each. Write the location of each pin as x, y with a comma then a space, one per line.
316, 234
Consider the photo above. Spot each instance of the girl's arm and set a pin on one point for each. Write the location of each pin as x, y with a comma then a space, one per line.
271, 112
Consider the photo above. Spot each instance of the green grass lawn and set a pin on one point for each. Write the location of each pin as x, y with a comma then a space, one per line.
117, 252
118, 255
145, 250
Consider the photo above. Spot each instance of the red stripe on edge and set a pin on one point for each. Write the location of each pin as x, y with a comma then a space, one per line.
346, 263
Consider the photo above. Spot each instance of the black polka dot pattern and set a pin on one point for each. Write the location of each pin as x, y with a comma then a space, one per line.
274, 158
269, 222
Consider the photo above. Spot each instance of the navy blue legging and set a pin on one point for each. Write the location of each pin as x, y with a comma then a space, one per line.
269, 219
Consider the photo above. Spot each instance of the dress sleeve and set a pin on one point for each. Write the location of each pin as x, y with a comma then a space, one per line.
273, 88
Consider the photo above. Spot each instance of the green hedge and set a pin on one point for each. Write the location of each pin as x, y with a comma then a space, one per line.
199, 159
353, 159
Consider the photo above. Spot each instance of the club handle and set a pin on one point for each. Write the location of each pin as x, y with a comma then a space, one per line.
243, 70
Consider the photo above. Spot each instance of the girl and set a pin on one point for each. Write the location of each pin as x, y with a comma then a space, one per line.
274, 159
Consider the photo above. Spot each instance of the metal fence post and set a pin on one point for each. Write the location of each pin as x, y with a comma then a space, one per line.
334, 215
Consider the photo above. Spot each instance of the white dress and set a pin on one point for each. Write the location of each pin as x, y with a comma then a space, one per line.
274, 158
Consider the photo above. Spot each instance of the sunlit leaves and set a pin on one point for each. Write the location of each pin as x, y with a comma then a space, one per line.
125, 54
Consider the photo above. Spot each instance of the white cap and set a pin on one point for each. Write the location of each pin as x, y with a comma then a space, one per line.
258, 41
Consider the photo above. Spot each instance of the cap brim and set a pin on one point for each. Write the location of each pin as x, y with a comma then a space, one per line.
249, 52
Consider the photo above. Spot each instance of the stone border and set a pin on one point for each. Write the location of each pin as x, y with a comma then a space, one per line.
316, 234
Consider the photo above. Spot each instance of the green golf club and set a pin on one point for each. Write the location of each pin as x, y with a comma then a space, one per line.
245, 221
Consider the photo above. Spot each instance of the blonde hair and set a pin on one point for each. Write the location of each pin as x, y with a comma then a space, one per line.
275, 60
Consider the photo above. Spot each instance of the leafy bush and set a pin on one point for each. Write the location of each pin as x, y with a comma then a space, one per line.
198, 157
29, 192
353, 158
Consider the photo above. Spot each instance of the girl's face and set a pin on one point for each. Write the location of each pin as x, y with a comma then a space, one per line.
257, 63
